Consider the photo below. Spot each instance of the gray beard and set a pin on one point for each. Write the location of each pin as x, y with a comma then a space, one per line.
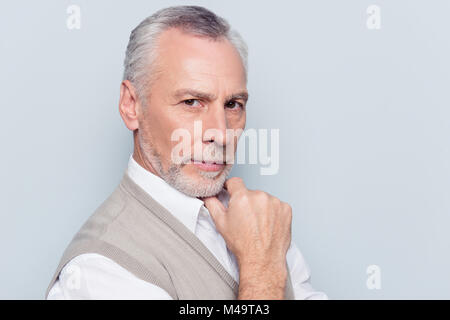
212, 182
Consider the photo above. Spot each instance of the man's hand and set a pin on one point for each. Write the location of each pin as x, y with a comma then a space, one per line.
257, 229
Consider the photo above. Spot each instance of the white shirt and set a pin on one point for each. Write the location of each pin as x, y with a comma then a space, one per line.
93, 276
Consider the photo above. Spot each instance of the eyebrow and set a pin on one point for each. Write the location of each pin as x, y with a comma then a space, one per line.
241, 95
207, 96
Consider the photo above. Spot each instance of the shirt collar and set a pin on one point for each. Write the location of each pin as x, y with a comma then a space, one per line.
183, 207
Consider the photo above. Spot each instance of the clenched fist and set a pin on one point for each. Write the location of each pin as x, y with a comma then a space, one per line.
257, 229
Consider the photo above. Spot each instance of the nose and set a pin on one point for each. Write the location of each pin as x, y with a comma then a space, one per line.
215, 125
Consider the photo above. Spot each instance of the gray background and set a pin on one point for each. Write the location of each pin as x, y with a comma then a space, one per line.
364, 129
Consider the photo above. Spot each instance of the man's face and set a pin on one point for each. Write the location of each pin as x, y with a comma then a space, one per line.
198, 81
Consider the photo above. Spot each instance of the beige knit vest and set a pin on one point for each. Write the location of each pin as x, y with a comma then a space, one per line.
139, 234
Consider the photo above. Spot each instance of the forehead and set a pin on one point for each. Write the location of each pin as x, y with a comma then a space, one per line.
183, 57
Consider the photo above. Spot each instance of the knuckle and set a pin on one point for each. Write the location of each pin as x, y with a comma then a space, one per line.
277, 202
242, 198
287, 209
236, 180
261, 196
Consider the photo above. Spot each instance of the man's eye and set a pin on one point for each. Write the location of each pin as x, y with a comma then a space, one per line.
234, 105
191, 102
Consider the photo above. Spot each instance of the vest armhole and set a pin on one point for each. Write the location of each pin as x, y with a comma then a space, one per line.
157, 276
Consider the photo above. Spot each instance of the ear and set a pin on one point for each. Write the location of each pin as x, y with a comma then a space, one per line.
129, 105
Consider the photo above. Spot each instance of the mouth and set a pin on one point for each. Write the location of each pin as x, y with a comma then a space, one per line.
208, 165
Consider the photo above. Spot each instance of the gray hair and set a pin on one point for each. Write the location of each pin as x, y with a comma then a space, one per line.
141, 50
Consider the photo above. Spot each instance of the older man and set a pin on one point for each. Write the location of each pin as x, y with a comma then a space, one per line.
175, 227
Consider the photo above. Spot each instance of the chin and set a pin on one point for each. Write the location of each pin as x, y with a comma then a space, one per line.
199, 183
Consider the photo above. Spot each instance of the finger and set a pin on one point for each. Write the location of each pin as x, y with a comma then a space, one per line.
234, 184
215, 208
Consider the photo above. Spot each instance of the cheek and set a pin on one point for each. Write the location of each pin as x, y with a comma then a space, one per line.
236, 120
170, 125
237, 123
159, 128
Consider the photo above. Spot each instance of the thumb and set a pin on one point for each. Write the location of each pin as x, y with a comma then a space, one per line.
215, 208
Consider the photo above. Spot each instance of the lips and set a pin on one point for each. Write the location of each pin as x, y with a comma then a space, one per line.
208, 165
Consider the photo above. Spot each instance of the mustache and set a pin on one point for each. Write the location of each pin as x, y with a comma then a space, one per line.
210, 153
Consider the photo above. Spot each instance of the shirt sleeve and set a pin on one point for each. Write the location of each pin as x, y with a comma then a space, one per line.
301, 276
93, 276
